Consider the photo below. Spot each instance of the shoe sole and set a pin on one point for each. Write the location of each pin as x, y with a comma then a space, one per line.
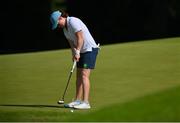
81, 108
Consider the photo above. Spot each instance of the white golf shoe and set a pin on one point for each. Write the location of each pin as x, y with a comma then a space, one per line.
83, 105
72, 104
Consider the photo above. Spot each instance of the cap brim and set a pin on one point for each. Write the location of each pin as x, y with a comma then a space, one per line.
54, 26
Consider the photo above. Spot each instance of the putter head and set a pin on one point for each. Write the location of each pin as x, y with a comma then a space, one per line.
60, 102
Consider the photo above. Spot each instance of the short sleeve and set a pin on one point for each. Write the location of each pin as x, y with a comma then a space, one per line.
75, 24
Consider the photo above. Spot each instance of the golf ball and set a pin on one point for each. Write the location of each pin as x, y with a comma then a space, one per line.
72, 110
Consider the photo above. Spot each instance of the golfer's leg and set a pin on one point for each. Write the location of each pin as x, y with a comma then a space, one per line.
86, 83
79, 85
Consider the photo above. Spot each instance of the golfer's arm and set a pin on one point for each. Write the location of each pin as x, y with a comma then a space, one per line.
80, 40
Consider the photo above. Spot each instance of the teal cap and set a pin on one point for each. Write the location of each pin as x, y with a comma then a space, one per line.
54, 19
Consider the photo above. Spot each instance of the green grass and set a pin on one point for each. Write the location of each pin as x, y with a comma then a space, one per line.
160, 107
125, 75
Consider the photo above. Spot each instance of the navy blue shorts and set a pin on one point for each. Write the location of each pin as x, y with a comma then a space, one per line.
88, 59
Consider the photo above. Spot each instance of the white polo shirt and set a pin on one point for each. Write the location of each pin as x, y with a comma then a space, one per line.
74, 25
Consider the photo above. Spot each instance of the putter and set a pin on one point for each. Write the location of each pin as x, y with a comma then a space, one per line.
72, 69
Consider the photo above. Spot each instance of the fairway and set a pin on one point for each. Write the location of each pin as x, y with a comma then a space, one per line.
132, 82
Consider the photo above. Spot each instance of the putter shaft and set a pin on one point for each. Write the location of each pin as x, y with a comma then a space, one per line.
73, 67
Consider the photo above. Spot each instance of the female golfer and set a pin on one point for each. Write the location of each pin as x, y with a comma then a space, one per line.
84, 52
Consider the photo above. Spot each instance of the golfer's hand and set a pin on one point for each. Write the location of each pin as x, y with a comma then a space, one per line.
76, 58
76, 55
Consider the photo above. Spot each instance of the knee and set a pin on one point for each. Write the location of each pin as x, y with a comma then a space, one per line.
84, 76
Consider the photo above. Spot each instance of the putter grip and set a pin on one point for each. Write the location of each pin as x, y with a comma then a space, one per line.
74, 65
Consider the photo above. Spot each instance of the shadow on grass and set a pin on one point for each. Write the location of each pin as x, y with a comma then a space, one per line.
33, 106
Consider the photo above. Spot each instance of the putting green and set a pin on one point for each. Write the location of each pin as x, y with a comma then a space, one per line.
31, 83
160, 107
